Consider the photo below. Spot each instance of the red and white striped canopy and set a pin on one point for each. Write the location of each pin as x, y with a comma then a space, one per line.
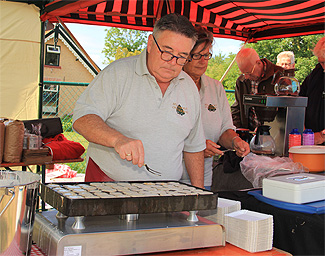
244, 20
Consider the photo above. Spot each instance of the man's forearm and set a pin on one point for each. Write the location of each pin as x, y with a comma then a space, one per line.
95, 130
194, 163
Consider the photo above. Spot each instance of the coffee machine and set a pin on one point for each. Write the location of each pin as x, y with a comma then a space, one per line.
281, 113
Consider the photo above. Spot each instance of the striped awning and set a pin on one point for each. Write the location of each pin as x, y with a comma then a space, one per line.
244, 20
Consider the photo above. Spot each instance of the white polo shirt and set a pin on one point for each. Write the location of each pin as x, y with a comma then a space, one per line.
127, 97
216, 118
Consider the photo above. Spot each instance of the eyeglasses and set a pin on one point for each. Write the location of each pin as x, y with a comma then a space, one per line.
167, 56
197, 56
284, 64
250, 73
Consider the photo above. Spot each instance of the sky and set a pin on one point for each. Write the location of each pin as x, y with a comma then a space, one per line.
92, 39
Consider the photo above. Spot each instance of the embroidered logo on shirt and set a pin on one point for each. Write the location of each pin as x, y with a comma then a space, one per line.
179, 109
212, 108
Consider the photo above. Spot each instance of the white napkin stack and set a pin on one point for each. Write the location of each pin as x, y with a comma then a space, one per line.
251, 231
224, 206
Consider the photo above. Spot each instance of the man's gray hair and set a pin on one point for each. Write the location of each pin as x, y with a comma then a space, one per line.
176, 23
289, 54
319, 50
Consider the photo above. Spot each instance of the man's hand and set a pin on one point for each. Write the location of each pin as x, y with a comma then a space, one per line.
241, 147
211, 149
95, 130
130, 149
319, 137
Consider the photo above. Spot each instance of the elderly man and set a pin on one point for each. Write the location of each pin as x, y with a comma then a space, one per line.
286, 60
313, 87
257, 77
142, 114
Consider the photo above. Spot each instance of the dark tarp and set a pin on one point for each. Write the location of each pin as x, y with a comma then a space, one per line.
244, 20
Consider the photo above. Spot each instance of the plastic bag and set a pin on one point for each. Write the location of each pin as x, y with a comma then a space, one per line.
257, 167
60, 171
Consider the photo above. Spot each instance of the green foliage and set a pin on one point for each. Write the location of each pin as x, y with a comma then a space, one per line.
67, 123
124, 52
132, 40
304, 66
301, 46
218, 66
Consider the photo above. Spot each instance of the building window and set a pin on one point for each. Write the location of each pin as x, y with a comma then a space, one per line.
52, 55
51, 99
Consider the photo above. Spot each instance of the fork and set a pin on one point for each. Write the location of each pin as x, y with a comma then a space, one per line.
227, 150
152, 170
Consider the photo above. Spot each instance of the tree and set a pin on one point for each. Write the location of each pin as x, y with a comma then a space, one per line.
217, 67
124, 52
131, 40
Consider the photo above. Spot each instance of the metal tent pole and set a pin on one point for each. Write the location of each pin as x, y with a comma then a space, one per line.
226, 72
40, 84
232, 63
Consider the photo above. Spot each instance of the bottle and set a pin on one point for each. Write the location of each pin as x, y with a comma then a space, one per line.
294, 138
308, 137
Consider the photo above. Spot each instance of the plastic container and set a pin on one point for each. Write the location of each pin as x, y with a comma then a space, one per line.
297, 188
312, 157
294, 138
308, 137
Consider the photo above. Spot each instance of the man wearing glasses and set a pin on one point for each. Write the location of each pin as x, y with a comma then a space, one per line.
256, 78
142, 115
215, 110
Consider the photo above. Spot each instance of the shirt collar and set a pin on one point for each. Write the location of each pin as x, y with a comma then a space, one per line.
269, 69
141, 65
203, 83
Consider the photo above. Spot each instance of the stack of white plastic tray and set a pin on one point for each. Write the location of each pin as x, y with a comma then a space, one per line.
224, 206
251, 231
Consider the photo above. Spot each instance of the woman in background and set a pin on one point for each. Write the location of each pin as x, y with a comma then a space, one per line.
215, 110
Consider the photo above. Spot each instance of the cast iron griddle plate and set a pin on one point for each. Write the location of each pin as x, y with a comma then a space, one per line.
149, 197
